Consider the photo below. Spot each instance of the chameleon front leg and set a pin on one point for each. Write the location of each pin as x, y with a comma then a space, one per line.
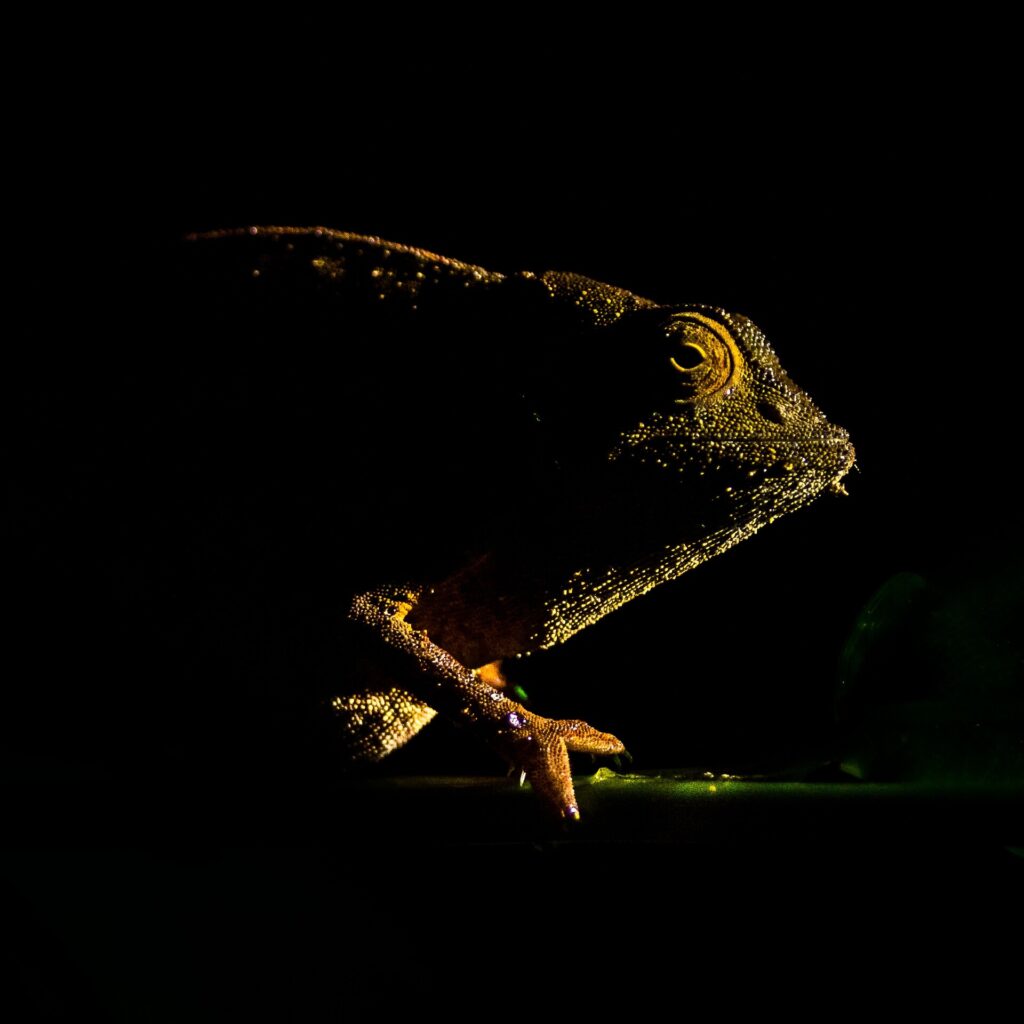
538, 747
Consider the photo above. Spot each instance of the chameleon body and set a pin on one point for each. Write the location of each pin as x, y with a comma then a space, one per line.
523, 454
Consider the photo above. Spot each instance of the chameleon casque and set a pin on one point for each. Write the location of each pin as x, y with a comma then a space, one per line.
517, 454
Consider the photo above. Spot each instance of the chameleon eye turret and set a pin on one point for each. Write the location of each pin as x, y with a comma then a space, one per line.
703, 355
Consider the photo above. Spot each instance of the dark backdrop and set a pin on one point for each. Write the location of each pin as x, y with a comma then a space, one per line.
854, 206
853, 216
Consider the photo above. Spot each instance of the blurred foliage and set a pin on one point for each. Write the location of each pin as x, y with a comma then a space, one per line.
931, 681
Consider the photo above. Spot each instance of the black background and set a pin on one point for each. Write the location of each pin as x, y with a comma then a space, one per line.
854, 204
853, 210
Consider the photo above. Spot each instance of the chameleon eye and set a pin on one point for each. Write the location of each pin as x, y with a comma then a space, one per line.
704, 355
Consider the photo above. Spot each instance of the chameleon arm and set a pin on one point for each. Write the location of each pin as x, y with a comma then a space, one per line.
536, 746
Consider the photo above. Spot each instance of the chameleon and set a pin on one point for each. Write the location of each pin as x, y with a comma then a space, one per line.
521, 453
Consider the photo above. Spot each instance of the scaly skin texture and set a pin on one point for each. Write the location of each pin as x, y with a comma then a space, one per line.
663, 435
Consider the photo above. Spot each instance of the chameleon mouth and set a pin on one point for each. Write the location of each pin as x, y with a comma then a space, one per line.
768, 445
748, 461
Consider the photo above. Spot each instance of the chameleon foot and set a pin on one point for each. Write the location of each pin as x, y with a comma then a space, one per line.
539, 747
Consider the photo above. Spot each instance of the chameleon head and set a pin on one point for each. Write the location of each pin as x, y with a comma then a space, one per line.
736, 429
